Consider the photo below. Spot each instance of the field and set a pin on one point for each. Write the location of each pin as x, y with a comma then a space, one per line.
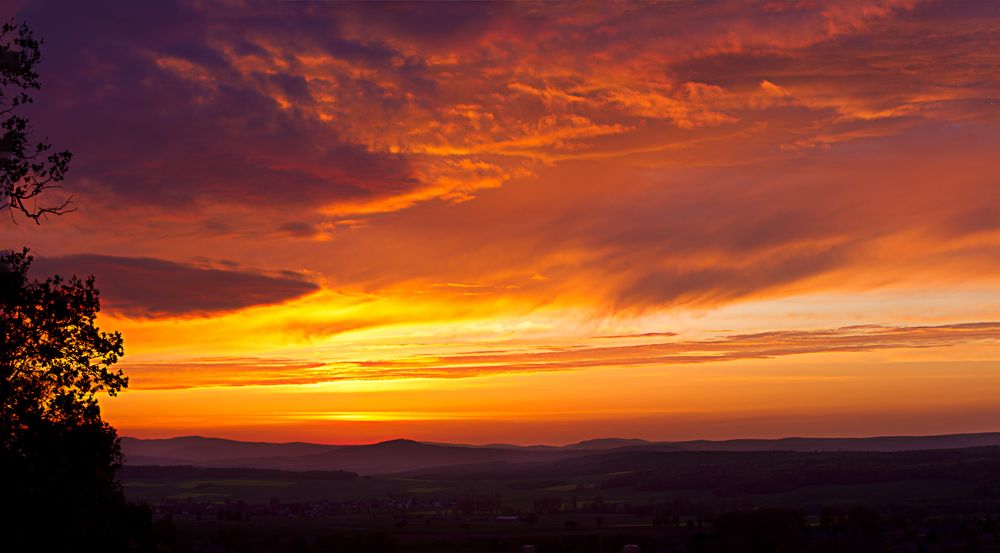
583, 509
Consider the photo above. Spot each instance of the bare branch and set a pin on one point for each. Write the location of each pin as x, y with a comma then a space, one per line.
26, 173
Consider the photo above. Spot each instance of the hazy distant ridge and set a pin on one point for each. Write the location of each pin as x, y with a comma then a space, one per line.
407, 455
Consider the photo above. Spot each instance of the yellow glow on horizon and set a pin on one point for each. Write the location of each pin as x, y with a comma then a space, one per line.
559, 221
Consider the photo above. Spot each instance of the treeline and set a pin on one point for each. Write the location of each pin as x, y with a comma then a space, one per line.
188, 471
734, 473
771, 472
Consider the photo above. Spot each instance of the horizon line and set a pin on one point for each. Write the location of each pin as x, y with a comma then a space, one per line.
588, 440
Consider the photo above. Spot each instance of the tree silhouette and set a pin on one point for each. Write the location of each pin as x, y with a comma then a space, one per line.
57, 456
27, 169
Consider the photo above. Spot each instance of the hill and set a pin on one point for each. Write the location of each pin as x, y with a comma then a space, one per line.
408, 455
197, 450
880, 443
394, 456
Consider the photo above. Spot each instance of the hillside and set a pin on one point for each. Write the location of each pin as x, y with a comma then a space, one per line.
197, 450
408, 455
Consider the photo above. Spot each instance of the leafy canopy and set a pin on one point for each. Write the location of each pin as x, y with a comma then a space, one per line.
54, 358
57, 456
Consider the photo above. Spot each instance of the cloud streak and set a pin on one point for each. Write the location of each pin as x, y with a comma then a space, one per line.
521, 188
734, 347
147, 287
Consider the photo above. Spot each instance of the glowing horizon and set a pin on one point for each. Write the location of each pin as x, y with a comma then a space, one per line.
528, 223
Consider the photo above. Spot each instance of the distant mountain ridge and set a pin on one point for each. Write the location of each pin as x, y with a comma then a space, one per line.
198, 450
880, 443
404, 455
610, 443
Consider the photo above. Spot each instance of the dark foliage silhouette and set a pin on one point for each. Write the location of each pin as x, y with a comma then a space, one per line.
58, 457
27, 169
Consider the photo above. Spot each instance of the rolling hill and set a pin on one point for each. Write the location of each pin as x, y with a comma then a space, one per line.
408, 455
197, 450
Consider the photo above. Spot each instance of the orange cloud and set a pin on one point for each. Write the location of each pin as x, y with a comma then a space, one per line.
412, 186
761, 345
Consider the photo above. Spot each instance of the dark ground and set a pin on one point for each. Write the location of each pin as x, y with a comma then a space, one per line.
925, 501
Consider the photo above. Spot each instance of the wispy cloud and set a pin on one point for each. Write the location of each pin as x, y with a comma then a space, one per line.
734, 347
400, 186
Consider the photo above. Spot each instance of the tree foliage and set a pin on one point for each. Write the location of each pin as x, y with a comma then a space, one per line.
55, 358
58, 458
27, 169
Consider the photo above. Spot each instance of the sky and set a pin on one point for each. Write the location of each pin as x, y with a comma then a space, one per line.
532, 222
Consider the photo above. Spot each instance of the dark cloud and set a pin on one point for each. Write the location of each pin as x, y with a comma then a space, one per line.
147, 287
268, 120
150, 100
177, 106
182, 105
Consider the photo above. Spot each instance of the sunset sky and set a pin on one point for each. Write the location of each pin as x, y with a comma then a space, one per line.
532, 222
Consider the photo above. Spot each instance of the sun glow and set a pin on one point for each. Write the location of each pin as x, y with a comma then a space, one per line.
544, 223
